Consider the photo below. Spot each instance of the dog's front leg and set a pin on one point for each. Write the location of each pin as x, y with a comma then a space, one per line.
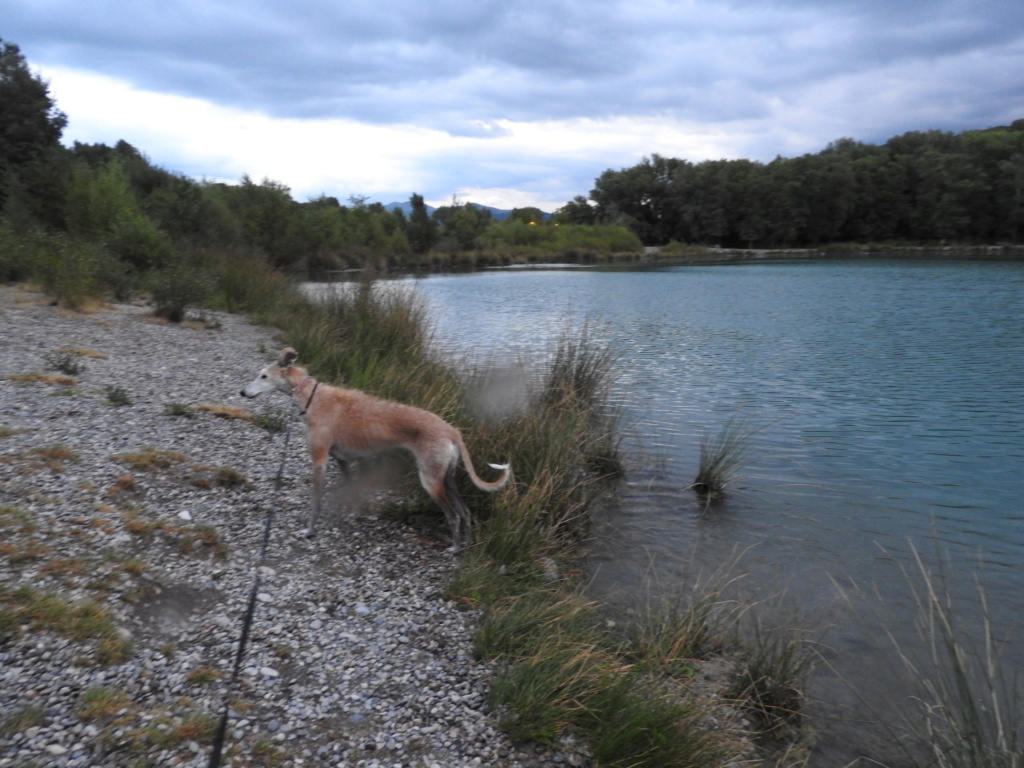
319, 475
318, 499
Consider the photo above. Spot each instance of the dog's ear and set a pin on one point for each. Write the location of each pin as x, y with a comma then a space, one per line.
288, 356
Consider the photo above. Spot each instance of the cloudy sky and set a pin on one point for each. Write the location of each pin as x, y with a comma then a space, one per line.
509, 103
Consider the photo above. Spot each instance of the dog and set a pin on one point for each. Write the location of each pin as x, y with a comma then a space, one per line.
347, 424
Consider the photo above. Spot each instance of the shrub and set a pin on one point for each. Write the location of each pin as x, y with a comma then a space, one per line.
117, 396
178, 288
68, 269
179, 409
69, 363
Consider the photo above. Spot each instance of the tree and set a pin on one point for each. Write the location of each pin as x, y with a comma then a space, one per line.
462, 224
577, 211
421, 230
30, 123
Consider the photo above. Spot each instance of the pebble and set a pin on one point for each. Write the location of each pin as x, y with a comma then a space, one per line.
354, 656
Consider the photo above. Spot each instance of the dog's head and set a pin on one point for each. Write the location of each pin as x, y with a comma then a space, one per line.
282, 375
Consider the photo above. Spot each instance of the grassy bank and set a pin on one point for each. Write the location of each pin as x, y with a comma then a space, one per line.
563, 674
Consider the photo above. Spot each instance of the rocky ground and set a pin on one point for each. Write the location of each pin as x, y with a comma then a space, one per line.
132, 510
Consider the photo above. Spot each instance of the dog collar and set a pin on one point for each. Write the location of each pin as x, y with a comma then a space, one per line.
310, 400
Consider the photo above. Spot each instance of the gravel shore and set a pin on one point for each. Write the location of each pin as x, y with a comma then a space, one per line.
155, 509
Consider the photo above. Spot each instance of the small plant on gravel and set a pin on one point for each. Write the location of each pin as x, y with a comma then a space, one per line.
268, 754
123, 484
139, 526
204, 536
179, 409
133, 565
84, 620
226, 411
222, 477
65, 362
117, 396
44, 378
26, 552
22, 719
83, 352
11, 517
272, 421
168, 731
202, 676
228, 477
65, 566
149, 459
101, 703
51, 457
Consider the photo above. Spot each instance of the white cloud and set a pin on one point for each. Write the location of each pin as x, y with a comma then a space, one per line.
344, 157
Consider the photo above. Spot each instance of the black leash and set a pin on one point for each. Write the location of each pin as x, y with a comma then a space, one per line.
250, 612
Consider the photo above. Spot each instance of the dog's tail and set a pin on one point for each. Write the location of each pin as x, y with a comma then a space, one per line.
496, 485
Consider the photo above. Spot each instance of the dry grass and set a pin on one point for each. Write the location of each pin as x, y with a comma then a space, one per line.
151, 459
51, 457
83, 352
45, 378
226, 411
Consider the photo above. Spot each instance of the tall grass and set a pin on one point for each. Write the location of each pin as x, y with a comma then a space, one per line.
956, 703
970, 712
559, 673
722, 455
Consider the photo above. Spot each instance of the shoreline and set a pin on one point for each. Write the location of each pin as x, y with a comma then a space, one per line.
156, 521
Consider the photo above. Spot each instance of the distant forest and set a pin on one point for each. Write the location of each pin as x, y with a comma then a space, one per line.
111, 217
920, 187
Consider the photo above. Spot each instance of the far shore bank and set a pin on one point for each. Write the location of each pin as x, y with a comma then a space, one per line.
847, 252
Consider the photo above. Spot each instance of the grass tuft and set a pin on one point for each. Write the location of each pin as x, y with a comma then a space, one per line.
179, 409
22, 719
44, 378
721, 457
150, 459
771, 682
225, 411
117, 396
65, 362
83, 620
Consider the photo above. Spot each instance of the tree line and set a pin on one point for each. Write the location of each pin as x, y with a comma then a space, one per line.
920, 187
114, 200
107, 216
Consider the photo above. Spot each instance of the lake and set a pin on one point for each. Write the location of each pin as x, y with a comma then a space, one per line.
889, 402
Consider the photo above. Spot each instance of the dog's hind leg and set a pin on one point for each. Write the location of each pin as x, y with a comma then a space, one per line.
341, 460
438, 480
461, 511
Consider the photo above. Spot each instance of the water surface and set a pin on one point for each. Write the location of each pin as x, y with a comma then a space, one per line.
889, 397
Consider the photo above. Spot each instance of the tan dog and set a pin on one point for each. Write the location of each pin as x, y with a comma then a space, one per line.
348, 424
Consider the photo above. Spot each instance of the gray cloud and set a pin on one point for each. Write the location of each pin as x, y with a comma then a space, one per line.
410, 61
790, 75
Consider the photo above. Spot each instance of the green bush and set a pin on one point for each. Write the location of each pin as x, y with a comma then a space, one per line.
68, 269
178, 288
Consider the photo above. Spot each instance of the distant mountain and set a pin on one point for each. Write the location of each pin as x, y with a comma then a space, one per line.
497, 214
